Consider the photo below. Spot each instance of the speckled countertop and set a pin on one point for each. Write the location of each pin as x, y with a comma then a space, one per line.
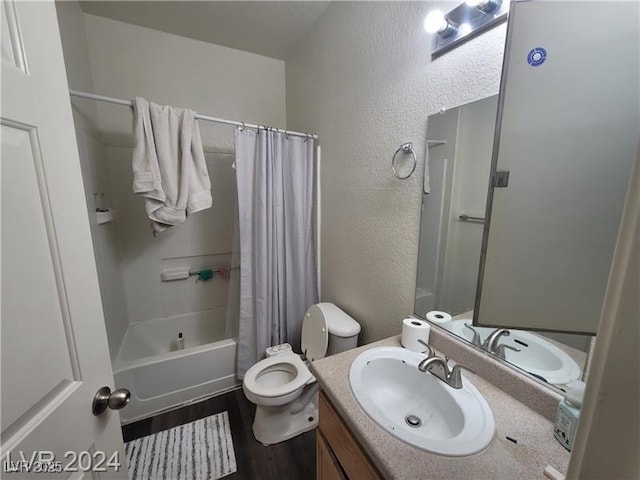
502, 459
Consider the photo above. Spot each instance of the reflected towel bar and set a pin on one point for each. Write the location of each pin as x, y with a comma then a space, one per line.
463, 217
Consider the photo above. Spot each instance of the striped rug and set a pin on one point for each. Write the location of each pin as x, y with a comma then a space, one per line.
200, 450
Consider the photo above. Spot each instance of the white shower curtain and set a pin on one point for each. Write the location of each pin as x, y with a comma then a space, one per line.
277, 269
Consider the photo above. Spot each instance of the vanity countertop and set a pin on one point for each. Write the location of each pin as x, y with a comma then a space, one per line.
502, 459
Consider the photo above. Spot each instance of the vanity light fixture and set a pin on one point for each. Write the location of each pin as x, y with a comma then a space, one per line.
485, 6
464, 22
437, 23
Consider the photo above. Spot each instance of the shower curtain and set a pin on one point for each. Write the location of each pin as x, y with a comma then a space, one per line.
275, 176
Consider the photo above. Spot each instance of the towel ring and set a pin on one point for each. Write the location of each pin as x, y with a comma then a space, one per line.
404, 148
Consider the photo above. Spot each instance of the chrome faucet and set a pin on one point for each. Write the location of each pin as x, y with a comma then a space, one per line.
501, 348
491, 343
475, 340
430, 351
439, 367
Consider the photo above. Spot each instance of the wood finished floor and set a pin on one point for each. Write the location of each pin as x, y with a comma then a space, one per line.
294, 459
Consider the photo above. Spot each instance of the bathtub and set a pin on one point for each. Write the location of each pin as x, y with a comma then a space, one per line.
161, 376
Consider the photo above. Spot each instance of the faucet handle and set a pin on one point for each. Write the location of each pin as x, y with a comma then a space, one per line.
490, 343
430, 351
475, 340
502, 347
455, 377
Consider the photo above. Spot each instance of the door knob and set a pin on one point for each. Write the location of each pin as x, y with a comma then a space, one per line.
105, 398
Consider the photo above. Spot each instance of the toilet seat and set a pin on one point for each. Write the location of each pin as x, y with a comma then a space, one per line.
257, 382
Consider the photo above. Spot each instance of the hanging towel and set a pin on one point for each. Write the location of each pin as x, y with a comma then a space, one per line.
169, 168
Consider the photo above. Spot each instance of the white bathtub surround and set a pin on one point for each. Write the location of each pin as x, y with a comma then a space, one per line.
169, 169
162, 376
275, 176
105, 57
202, 449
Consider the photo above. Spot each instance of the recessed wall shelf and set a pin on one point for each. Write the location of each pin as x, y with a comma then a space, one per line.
105, 216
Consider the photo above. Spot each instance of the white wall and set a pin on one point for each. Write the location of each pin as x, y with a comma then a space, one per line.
608, 438
474, 144
77, 64
122, 60
129, 60
94, 161
363, 80
205, 240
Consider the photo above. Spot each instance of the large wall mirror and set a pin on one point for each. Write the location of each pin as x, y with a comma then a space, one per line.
459, 146
523, 269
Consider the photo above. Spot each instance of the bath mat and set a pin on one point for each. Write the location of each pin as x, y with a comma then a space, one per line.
200, 450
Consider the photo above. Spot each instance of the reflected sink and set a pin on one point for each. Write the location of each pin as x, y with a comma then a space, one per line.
417, 407
536, 355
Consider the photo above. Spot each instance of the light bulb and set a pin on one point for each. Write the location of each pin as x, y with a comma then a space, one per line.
464, 29
435, 22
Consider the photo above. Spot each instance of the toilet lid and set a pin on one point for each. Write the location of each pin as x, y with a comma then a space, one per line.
315, 335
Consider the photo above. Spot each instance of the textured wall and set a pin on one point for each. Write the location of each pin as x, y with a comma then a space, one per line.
363, 80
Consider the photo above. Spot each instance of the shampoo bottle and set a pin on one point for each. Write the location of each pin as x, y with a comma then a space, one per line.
568, 413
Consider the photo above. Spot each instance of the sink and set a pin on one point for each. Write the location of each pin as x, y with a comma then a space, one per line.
536, 356
417, 407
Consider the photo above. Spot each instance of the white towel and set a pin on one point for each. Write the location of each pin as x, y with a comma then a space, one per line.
169, 168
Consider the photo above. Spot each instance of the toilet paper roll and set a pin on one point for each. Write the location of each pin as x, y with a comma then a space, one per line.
412, 331
436, 316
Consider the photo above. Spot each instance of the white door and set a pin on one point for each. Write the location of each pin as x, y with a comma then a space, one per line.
54, 346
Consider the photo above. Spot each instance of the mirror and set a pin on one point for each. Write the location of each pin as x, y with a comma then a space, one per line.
460, 142
543, 247
568, 139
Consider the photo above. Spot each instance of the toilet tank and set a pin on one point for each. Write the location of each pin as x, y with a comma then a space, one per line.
343, 329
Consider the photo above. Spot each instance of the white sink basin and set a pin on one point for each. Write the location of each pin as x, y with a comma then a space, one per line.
536, 355
391, 390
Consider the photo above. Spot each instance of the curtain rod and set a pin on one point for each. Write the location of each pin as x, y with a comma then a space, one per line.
128, 103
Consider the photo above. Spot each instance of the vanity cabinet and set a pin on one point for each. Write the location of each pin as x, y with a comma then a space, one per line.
339, 455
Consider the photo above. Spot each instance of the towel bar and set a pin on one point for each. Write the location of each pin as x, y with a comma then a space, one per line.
463, 217
408, 149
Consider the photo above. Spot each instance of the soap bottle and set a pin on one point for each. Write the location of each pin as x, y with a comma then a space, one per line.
180, 341
568, 413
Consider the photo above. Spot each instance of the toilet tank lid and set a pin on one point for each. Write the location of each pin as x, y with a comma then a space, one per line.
339, 323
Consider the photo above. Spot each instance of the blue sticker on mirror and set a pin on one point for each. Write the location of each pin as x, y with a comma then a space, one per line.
537, 56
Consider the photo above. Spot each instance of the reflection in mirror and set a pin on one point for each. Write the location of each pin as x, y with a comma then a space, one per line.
460, 143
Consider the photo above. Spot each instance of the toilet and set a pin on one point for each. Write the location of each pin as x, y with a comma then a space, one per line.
282, 386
